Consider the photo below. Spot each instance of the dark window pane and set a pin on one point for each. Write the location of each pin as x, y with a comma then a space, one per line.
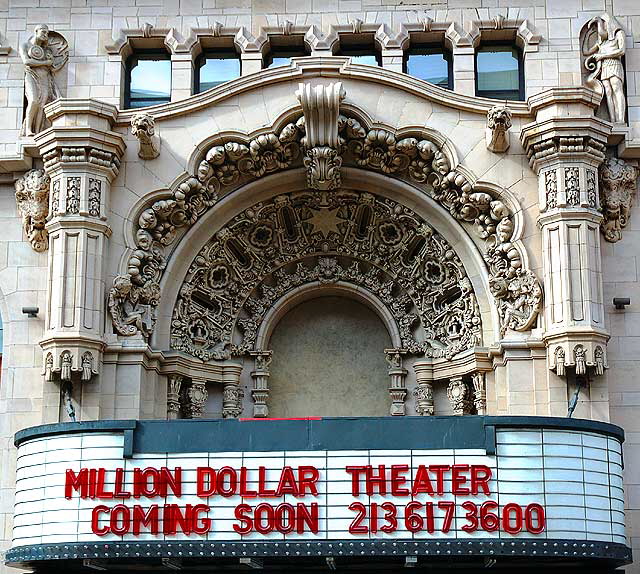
498, 71
368, 59
215, 71
432, 68
150, 82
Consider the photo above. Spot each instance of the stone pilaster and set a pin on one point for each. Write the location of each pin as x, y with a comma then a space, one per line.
479, 393
232, 393
260, 391
194, 398
423, 392
398, 375
174, 384
81, 156
566, 145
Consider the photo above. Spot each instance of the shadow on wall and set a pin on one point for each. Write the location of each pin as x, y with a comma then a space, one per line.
328, 360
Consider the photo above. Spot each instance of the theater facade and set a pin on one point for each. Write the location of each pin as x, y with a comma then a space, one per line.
319, 287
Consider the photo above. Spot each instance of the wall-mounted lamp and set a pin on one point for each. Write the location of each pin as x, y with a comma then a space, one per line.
31, 311
621, 302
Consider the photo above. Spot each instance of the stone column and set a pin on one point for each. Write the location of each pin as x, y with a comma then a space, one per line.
81, 156
566, 145
174, 384
458, 394
423, 392
260, 376
194, 398
479, 393
398, 375
232, 393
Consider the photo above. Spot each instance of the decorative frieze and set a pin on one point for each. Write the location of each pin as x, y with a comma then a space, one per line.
422, 161
277, 246
32, 198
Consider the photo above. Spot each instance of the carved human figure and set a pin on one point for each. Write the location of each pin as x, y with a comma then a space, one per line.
604, 61
42, 58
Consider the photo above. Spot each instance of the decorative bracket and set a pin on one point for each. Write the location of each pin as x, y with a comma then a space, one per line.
32, 198
143, 127
321, 108
497, 132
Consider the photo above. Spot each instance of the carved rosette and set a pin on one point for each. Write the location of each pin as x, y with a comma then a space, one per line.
618, 183
133, 297
32, 199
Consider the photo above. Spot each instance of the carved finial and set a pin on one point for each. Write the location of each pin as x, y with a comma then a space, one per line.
143, 126
498, 124
321, 108
617, 188
32, 198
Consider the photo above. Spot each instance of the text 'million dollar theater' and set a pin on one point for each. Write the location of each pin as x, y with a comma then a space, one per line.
315, 285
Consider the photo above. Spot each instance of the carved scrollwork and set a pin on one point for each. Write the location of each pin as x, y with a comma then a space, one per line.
292, 240
232, 164
32, 198
617, 188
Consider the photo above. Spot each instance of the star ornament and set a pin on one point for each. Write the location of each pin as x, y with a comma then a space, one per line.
325, 220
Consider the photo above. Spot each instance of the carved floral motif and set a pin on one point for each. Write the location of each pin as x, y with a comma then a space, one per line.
617, 188
32, 198
232, 164
292, 240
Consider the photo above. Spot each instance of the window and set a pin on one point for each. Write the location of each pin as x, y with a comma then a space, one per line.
214, 68
499, 72
432, 65
361, 55
148, 79
281, 55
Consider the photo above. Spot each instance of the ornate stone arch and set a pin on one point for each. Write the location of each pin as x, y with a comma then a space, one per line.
323, 138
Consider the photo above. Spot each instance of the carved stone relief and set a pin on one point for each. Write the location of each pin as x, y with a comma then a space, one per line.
497, 132
32, 198
44, 54
603, 46
73, 195
308, 237
618, 182
234, 163
459, 396
143, 127
64, 364
94, 197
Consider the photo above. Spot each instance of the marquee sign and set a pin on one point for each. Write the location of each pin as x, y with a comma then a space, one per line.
370, 481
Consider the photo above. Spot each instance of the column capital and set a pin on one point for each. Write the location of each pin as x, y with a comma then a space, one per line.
81, 136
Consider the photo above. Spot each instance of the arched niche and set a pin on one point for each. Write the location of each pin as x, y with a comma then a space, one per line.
328, 356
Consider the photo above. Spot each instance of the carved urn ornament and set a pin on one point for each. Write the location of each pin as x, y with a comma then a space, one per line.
44, 54
32, 198
604, 62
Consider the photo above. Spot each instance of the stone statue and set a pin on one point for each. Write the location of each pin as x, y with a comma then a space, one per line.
604, 61
43, 54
